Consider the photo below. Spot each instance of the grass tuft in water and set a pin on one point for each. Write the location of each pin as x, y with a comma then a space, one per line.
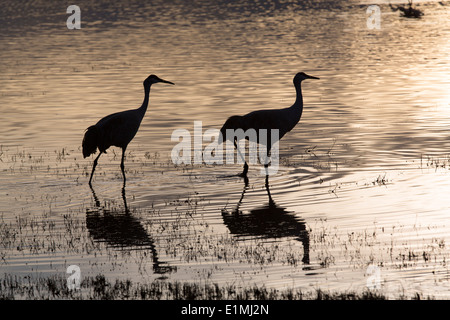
13, 287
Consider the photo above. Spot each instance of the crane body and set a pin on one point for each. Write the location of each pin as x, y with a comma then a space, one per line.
283, 120
117, 129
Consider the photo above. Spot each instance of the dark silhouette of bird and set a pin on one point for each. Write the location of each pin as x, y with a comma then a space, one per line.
119, 229
266, 222
117, 129
282, 119
408, 12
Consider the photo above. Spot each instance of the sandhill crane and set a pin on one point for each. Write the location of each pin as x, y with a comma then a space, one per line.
282, 119
117, 129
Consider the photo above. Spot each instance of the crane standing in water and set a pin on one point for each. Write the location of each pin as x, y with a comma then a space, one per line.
117, 129
284, 120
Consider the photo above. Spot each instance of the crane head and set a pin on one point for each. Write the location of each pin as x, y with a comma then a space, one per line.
302, 76
151, 79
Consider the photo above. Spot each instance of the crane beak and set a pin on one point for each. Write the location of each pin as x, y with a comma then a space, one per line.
311, 77
165, 81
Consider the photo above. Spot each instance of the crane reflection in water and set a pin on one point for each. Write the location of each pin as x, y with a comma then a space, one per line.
120, 229
267, 221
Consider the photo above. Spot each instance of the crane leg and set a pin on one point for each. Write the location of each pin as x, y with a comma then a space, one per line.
244, 172
122, 166
93, 168
124, 198
266, 167
267, 175
271, 202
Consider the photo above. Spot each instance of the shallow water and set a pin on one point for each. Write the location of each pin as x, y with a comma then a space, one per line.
363, 176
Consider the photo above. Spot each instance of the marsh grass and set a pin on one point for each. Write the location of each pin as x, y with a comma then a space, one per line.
44, 234
100, 288
68, 234
436, 163
68, 163
380, 245
182, 236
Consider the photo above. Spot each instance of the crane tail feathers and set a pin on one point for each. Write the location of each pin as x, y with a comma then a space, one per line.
90, 141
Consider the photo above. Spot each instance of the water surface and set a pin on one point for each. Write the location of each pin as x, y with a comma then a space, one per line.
363, 177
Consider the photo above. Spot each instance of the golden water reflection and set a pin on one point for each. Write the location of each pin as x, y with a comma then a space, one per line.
370, 152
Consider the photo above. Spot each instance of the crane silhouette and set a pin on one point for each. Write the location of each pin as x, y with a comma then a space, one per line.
117, 129
284, 120
267, 221
119, 229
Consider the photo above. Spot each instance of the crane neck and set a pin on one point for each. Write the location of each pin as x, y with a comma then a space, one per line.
144, 106
299, 99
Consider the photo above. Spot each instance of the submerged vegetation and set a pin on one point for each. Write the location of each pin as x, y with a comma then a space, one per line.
100, 288
228, 254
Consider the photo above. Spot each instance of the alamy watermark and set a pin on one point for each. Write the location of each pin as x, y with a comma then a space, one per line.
373, 274
74, 280
190, 150
374, 19
372, 22
74, 20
